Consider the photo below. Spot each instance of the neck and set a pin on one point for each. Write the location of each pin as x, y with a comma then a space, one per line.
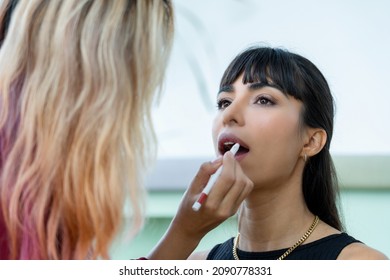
272, 220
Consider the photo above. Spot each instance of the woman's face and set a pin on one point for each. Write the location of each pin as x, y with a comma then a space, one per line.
266, 123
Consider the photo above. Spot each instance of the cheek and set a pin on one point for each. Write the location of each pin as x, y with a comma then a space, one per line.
286, 138
279, 126
276, 137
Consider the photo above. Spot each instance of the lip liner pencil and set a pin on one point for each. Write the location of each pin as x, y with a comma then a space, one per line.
211, 182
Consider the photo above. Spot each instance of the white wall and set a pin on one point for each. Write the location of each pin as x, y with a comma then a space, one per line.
348, 40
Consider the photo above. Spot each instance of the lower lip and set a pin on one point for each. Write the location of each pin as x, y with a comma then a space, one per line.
240, 157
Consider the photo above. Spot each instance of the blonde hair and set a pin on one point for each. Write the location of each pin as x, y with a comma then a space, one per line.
77, 82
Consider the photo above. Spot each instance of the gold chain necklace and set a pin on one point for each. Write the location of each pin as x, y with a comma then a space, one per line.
292, 248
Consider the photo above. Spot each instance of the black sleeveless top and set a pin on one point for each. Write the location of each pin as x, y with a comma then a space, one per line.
327, 248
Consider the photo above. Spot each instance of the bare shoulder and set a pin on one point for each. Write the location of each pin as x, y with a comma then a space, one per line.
360, 251
202, 255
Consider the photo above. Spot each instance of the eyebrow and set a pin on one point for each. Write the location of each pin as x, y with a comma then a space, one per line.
251, 86
259, 85
226, 88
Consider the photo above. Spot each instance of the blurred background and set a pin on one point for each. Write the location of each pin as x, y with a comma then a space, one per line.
349, 41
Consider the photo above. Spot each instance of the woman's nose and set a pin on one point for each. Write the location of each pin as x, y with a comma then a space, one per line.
233, 114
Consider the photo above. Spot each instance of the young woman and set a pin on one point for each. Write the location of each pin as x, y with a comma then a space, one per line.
278, 106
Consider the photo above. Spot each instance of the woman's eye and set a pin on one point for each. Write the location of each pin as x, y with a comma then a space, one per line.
223, 103
262, 100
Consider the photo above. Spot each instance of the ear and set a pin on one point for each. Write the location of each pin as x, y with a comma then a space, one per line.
315, 139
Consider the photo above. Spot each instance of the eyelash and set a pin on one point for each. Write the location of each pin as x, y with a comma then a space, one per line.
224, 103
221, 102
268, 101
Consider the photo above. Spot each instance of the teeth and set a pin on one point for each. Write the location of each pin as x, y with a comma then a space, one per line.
228, 145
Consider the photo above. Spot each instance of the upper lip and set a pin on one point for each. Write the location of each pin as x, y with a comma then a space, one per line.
229, 137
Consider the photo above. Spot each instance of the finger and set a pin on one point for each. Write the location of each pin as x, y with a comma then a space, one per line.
203, 175
223, 188
239, 190
237, 200
224, 181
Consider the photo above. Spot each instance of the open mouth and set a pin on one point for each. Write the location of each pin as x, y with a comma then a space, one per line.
226, 146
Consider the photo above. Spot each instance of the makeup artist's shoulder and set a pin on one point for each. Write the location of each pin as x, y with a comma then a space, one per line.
360, 251
199, 255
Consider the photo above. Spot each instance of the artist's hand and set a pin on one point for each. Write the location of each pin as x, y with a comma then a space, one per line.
188, 227
223, 201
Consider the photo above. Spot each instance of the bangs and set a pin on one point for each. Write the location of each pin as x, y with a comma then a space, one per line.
268, 66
